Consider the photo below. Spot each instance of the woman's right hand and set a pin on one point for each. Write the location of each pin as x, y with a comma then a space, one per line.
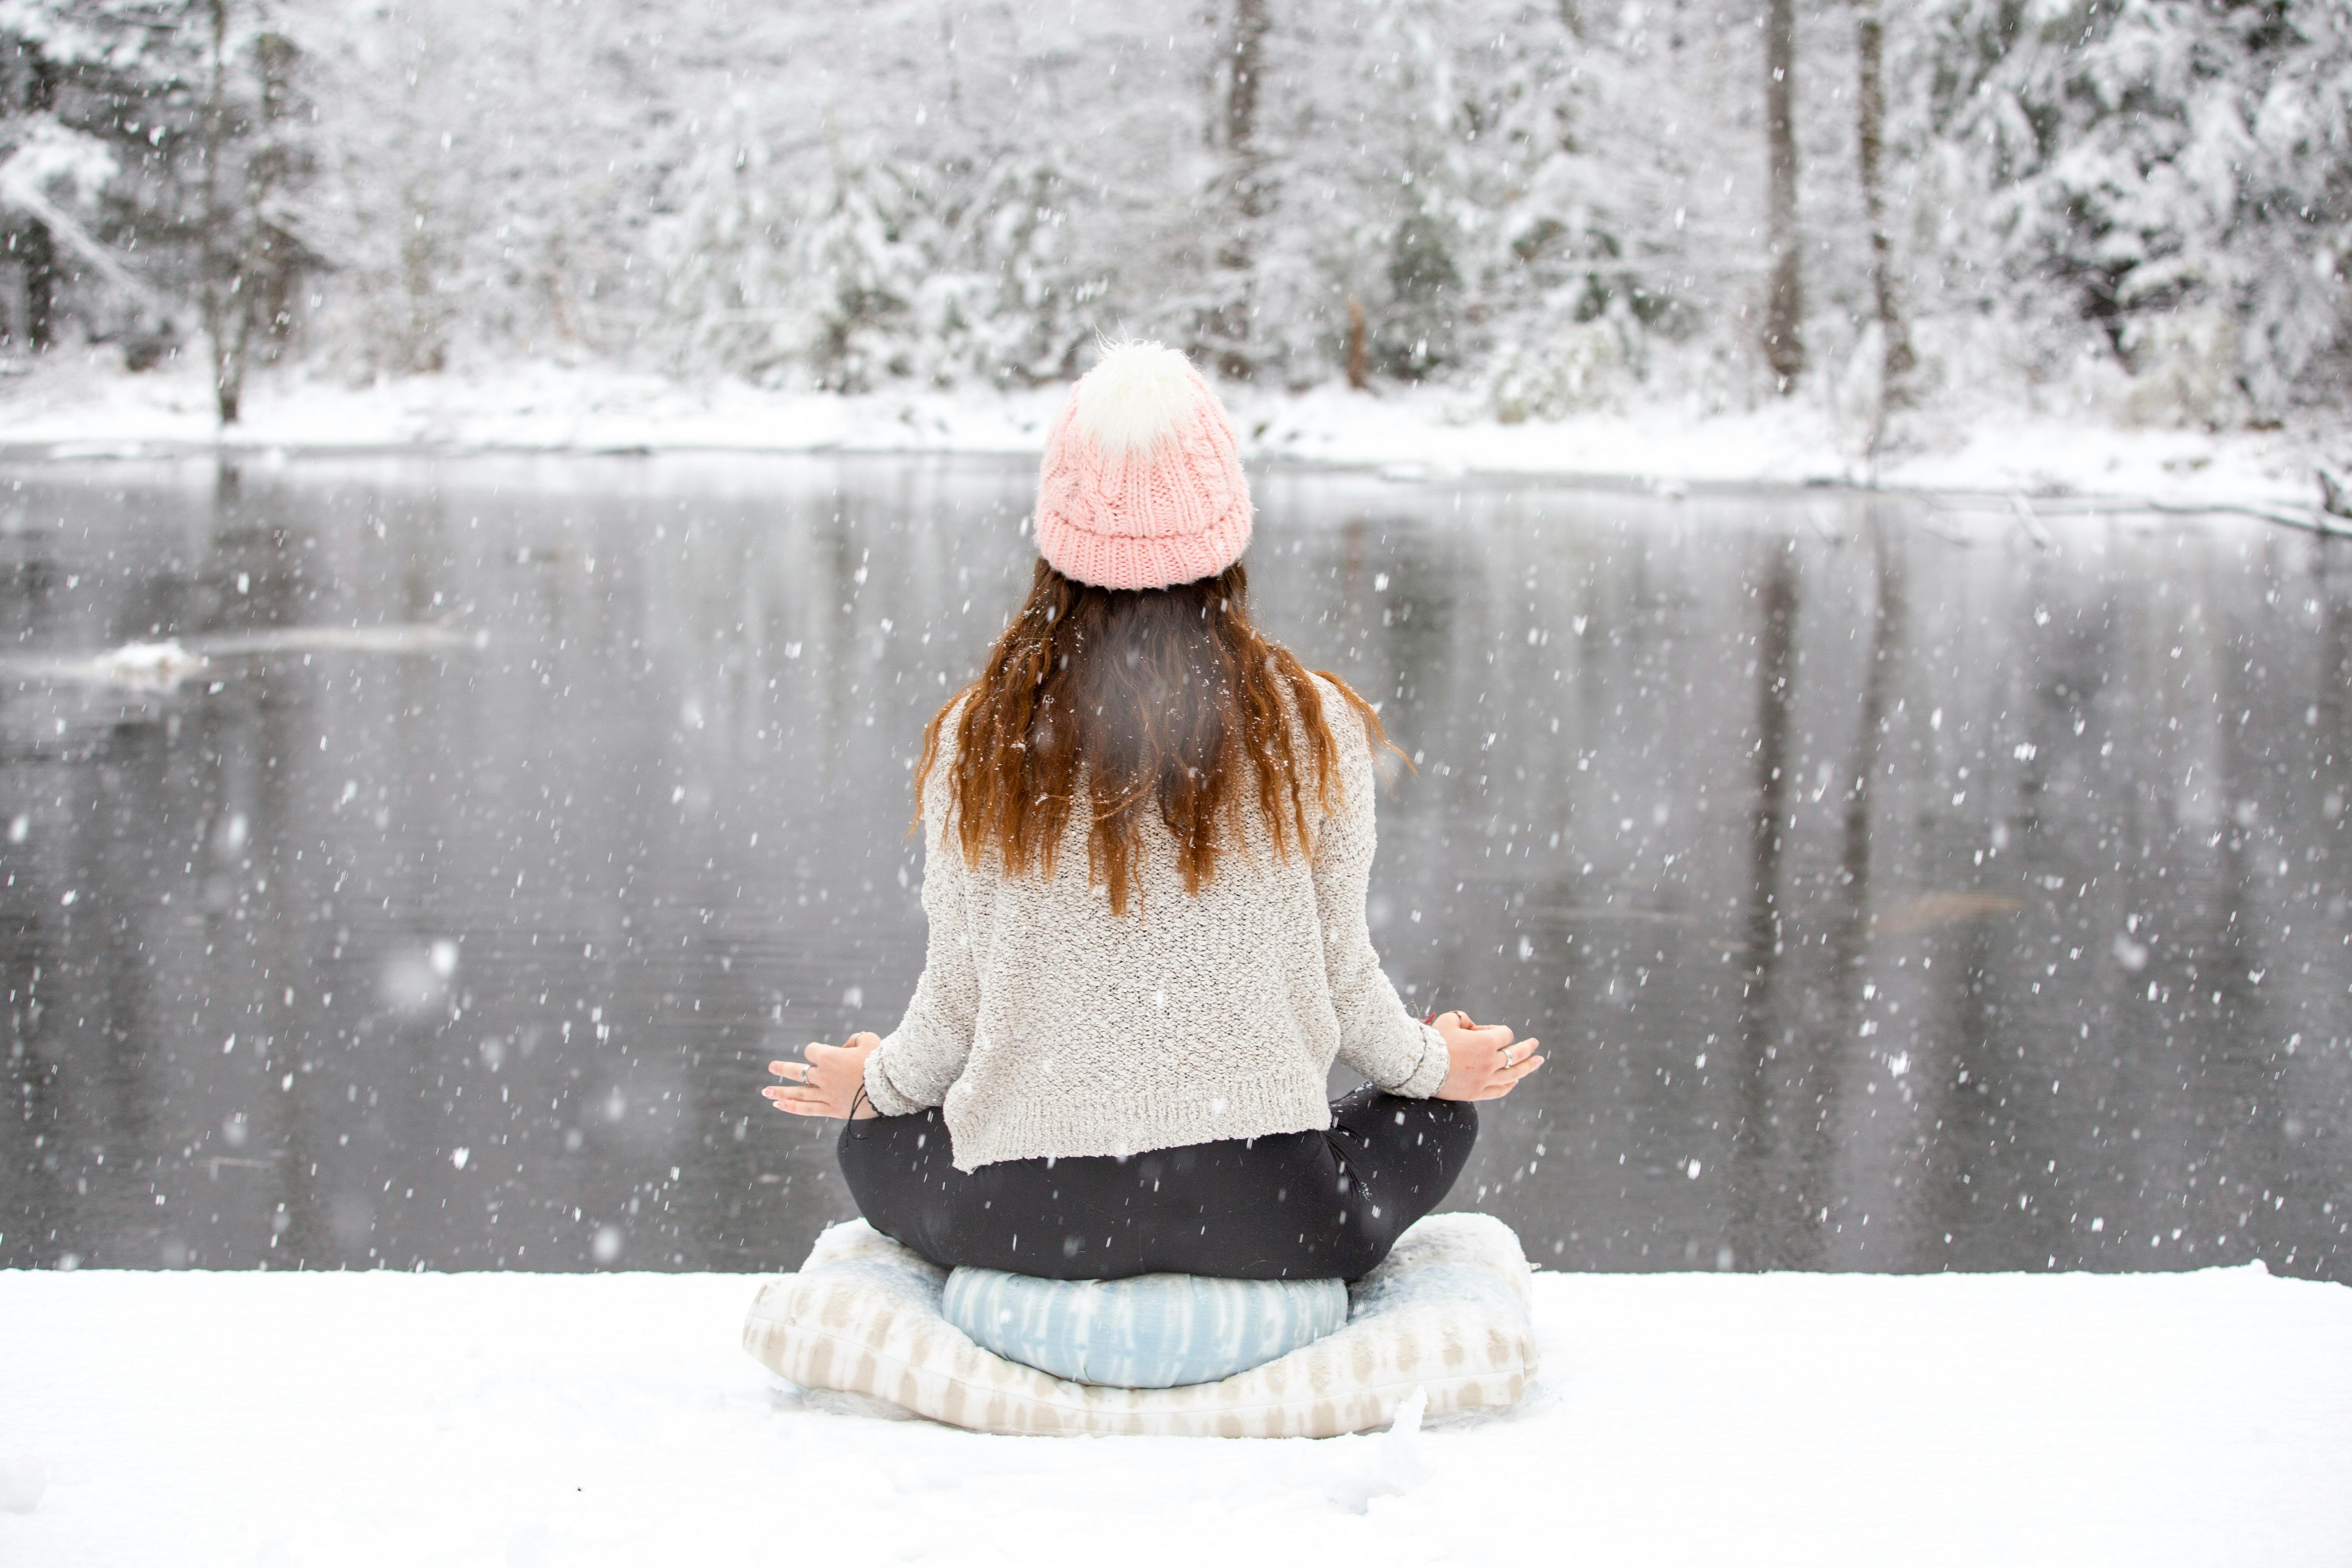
829, 1084
1481, 1064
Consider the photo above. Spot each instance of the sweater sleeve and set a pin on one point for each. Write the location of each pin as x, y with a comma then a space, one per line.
1378, 1036
919, 1061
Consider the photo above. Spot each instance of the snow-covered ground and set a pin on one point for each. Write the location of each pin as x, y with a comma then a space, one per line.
72, 406
2201, 1418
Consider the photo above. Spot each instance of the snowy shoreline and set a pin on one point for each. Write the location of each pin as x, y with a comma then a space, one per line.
67, 411
380, 1418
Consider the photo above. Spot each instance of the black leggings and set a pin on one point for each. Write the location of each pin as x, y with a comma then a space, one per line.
1293, 1206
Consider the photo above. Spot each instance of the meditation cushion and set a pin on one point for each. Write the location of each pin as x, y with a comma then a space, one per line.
1156, 1331
1445, 1313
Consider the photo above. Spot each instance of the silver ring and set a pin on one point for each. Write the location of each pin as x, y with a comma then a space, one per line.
1506, 1056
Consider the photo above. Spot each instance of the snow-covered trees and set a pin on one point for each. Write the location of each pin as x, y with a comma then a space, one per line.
1553, 204
94, 106
2173, 174
152, 161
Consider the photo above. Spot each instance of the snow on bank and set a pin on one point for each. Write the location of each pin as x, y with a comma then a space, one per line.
2201, 1418
73, 408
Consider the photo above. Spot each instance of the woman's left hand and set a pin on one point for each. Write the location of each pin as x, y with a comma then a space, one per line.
829, 1084
1482, 1063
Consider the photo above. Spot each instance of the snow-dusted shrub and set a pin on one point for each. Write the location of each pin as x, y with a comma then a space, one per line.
486, 185
869, 271
2187, 369
1005, 307
858, 266
1578, 369
728, 281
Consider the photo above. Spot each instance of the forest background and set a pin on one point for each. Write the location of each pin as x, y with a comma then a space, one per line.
2134, 211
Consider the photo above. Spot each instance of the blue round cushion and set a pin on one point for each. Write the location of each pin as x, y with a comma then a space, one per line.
1156, 1331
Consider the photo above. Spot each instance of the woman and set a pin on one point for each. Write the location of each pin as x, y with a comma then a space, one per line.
1148, 834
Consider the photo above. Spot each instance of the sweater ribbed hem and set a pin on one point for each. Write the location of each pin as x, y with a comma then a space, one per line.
1036, 1130
878, 1087
1430, 1070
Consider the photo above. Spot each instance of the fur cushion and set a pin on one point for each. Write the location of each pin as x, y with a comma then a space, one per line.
1447, 1314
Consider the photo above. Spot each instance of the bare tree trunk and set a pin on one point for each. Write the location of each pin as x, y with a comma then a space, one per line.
1784, 305
249, 259
271, 254
1356, 336
1251, 24
39, 253
1244, 195
225, 316
1870, 109
37, 248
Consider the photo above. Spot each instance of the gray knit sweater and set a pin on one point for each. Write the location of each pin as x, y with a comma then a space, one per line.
1046, 1025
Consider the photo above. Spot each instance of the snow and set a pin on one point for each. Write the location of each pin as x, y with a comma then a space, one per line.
87, 410
277, 1419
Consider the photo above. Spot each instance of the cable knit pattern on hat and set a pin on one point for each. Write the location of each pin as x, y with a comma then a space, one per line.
1045, 1025
1141, 485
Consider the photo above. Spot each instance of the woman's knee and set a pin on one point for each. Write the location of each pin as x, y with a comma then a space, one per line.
1454, 1123
1449, 1125
886, 1157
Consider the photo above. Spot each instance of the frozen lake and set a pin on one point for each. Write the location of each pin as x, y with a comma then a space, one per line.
1893, 887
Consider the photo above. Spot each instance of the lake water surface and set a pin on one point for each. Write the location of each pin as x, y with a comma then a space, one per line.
1891, 889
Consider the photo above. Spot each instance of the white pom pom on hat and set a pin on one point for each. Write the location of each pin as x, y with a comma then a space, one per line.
1141, 485
1135, 397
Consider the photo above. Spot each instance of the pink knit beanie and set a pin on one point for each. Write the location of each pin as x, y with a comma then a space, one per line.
1143, 486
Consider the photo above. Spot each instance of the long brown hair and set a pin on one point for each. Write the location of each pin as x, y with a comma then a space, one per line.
1141, 700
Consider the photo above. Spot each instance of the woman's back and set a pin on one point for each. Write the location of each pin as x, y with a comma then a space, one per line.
1049, 1023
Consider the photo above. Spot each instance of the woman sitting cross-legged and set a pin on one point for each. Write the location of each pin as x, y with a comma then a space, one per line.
1148, 834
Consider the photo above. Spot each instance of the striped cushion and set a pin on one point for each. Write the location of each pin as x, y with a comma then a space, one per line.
1446, 1314
1156, 1331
